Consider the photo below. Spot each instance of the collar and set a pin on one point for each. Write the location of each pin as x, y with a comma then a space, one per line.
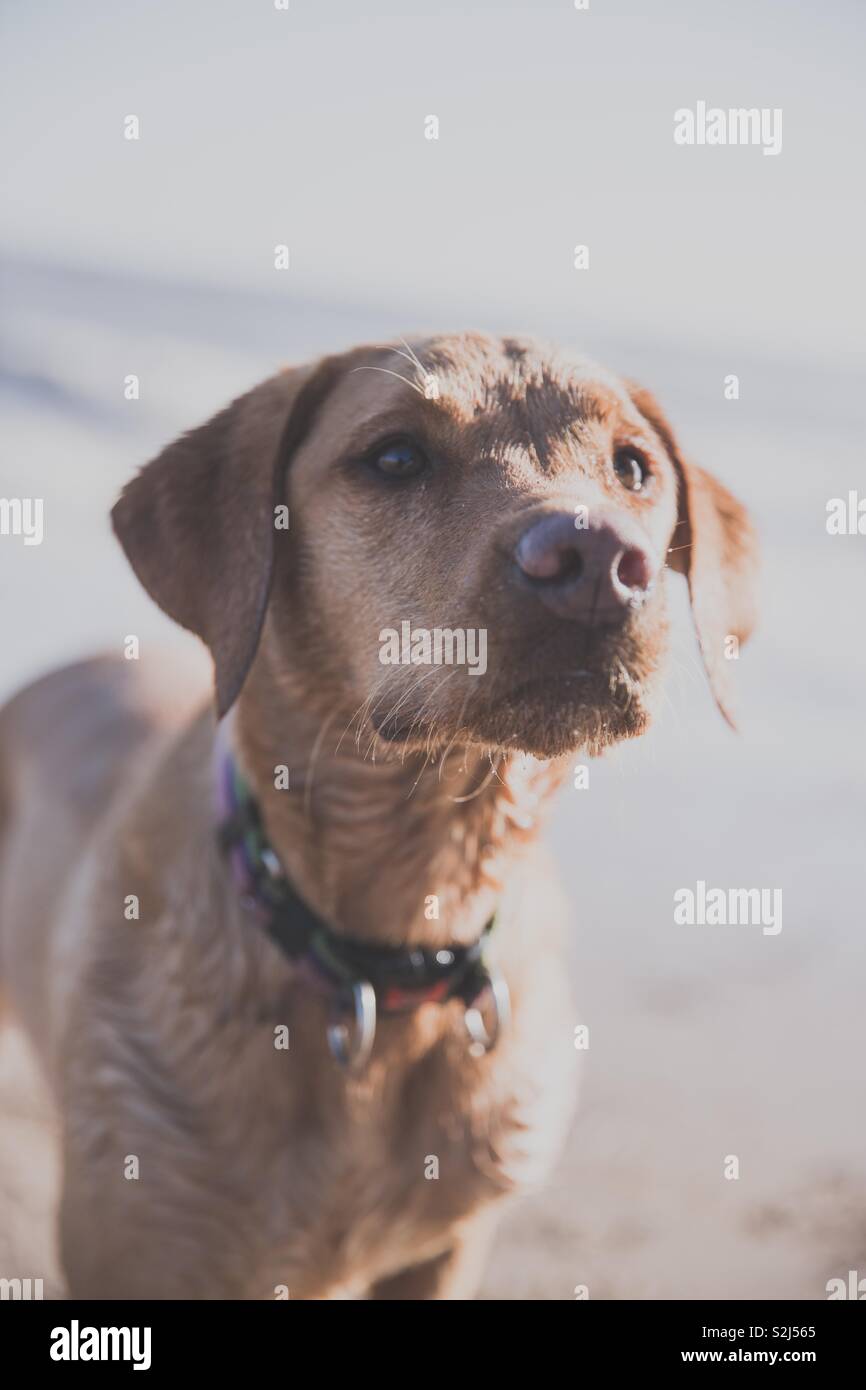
362, 979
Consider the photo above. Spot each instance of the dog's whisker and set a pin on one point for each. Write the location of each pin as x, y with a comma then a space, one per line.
425, 374
388, 372
470, 796
365, 704
433, 732
406, 695
458, 727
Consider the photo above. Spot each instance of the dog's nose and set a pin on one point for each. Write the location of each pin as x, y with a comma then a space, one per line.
594, 571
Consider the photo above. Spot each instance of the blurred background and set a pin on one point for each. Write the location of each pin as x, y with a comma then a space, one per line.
306, 127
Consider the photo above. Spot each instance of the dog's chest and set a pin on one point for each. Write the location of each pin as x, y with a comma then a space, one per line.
379, 1181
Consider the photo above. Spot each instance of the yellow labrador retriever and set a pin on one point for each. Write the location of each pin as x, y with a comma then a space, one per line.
295, 971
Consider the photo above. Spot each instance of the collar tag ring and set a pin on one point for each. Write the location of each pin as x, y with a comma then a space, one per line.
482, 1038
352, 1043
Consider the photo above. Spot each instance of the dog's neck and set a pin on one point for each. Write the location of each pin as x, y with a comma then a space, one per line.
399, 851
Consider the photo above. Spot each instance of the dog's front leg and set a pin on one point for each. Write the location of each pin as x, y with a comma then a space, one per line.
98, 1264
119, 1243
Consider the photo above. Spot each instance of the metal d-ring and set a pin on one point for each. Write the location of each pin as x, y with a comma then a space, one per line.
483, 1040
352, 1043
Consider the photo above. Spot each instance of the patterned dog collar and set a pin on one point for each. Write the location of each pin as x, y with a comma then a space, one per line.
363, 980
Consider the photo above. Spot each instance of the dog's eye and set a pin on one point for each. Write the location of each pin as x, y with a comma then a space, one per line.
399, 459
631, 469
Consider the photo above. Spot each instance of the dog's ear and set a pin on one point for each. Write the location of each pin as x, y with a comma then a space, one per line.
198, 522
715, 546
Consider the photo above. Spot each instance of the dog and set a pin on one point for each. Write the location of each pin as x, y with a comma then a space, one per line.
294, 963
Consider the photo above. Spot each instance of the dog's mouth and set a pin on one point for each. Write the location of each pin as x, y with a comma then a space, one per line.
564, 682
584, 707
556, 710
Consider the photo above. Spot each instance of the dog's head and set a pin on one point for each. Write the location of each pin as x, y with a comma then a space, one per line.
462, 538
